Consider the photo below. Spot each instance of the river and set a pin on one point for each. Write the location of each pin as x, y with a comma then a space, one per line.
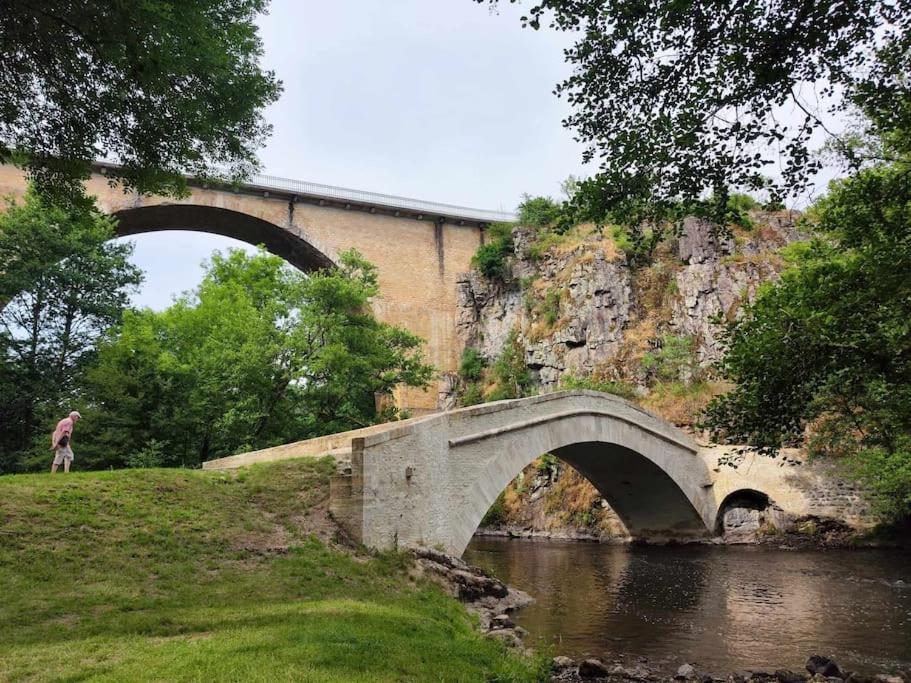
722, 608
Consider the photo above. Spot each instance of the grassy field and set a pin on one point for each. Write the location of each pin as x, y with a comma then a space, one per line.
189, 575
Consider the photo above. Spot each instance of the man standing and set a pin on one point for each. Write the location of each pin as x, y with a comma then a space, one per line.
60, 442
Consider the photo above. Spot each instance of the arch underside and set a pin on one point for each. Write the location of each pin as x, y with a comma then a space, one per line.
745, 498
244, 227
653, 480
645, 497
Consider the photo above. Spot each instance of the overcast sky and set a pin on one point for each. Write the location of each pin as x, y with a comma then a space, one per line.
435, 100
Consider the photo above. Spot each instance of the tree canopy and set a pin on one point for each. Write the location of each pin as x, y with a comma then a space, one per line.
258, 355
826, 353
676, 100
160, 87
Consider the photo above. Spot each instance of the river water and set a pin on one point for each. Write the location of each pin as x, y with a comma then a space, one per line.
722, 608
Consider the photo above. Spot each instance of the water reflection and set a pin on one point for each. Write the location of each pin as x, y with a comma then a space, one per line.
725, 608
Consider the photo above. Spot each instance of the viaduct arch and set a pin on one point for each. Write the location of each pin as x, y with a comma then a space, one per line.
227, 223
418, 247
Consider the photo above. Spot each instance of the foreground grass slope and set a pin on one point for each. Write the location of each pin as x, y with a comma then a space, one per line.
191, 575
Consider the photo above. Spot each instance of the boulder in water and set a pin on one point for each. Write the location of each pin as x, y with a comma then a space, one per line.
817, 664
686, 671
788, 676
561, 663
593, 668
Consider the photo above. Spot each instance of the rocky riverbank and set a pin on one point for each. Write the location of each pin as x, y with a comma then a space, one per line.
558, 534
809, 532
818, 670
487, 597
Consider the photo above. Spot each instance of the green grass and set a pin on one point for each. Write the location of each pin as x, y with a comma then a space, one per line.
188, 575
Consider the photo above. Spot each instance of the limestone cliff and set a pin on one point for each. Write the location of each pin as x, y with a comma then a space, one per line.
579, 312
604, 315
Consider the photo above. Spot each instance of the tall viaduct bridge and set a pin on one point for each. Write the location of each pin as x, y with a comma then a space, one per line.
430, 480
418, 247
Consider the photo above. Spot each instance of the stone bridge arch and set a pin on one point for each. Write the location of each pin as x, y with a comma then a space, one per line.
292, 246
429, 481
647, 470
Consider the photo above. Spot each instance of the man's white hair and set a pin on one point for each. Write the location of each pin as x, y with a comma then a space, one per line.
76, 414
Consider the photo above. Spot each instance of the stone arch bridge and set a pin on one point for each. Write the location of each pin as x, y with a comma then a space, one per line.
418, 247
429, 481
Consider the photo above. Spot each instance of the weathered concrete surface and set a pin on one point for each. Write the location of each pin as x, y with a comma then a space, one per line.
418, 261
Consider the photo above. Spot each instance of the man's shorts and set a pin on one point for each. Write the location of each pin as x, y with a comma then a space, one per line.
62, 453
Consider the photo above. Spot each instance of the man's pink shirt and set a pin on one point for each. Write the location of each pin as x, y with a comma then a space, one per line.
65, 426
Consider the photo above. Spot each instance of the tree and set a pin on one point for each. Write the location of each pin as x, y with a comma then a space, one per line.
256, 356
828, 350
680, 99
161, 87
65, 283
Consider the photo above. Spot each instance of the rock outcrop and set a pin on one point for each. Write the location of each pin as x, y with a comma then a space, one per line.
599, 306
489, 598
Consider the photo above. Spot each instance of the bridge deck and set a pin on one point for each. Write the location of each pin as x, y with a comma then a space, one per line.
319, 192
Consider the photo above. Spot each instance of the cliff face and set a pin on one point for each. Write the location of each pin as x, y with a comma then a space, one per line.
579, 312
579, 309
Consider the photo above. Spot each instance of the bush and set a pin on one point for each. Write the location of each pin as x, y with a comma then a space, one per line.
472, 366
491, 257
510, 374
496, 514
539, 212
637, 244
150, 456
621, 389
887, 474
550, 308
675, 359
738, 209
547, 463
472, 395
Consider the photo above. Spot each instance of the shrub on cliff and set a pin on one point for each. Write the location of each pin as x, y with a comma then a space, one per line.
492, 256
538, 212
622, 389
510, 375
472, 365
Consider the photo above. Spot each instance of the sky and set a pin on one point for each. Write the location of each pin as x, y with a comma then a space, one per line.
440, 100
